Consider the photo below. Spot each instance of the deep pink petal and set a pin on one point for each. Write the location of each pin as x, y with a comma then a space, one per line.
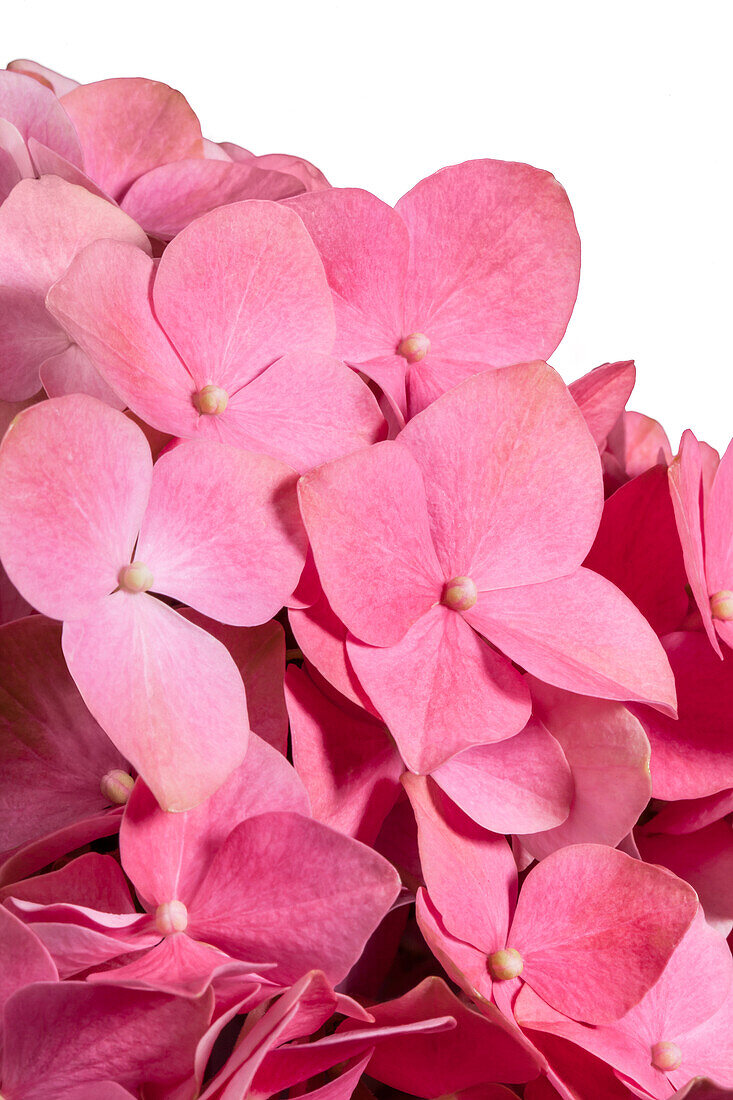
24, 958
521, 784
223, 532
596, 928
579, 633
168, 695
152, 124
601, 396
310, 897
368, 526
464, 964
500, 511
74, 482
322, 638
36, 854
441, 689
238, 289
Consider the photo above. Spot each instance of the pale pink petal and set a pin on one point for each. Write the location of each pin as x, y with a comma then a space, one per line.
55, 81
368, 526
103, 303
579, 633
494, 261
305, 409
608, 753
170, 196
311, 178
708, 1049
16, 160
152, 124
518, 785
239, 288
167, 855
168, 695
441, 689
645, 443
310, 899
28, 336
595, 929
223, 532
73, 372
74, 483
637, 548
47, 162
500, 511
470, 874
37, 113
345, 757
601, 396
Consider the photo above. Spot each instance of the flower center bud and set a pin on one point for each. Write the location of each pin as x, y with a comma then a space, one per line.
212, 400
116, 786
460, 594
135, 577
666, 1056
170, 917
721, 605
505, 965
414, 347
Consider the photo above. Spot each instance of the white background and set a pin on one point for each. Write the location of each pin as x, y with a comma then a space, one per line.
628, 104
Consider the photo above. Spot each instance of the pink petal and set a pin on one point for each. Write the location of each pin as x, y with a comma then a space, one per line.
637, 548
224, 293
168, 695
24, 958
54, 754
470, 874
645, 443
494, 262
499, 511
322, 639
12, 604
74, 483
601, 396
441, 689
608, 753
59, 1035
166, 855
103, 303
222, 531
345, 757
28, 336
691, 756
579, 633
152, 124
705, 860
91, 880
464, 964
368, 527
73, 372
55, 81
523, 783
310, 899
719, 527
305, 409
596, 928
167, 198
36, 854
259, 654
37, 113
47, 162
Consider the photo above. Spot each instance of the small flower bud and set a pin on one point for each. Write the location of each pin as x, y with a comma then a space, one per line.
135, 577
116, 786
212, 400
505, 965
460, 594
721, 605
170, 917
666, 1056
414, 347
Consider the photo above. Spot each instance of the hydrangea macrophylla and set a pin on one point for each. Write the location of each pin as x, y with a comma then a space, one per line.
420, 553
476, 267
230, 343
590, 932
77, 485
43, 224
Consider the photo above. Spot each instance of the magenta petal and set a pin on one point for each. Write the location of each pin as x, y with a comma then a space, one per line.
368, 526
58, 1036
601, 396
224, 293
494, 261
37, 113
74, 483
152, 124
596, 928
500, 512
522, 784
167, 855
441, 689
168, 695
223, 532
579, 633
310, 898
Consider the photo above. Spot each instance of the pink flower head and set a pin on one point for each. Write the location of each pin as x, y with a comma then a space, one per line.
476, 267
590, 932
227, 339
462, 530
88, 528
43, 224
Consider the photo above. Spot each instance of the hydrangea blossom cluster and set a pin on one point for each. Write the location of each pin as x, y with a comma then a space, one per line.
365, 690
